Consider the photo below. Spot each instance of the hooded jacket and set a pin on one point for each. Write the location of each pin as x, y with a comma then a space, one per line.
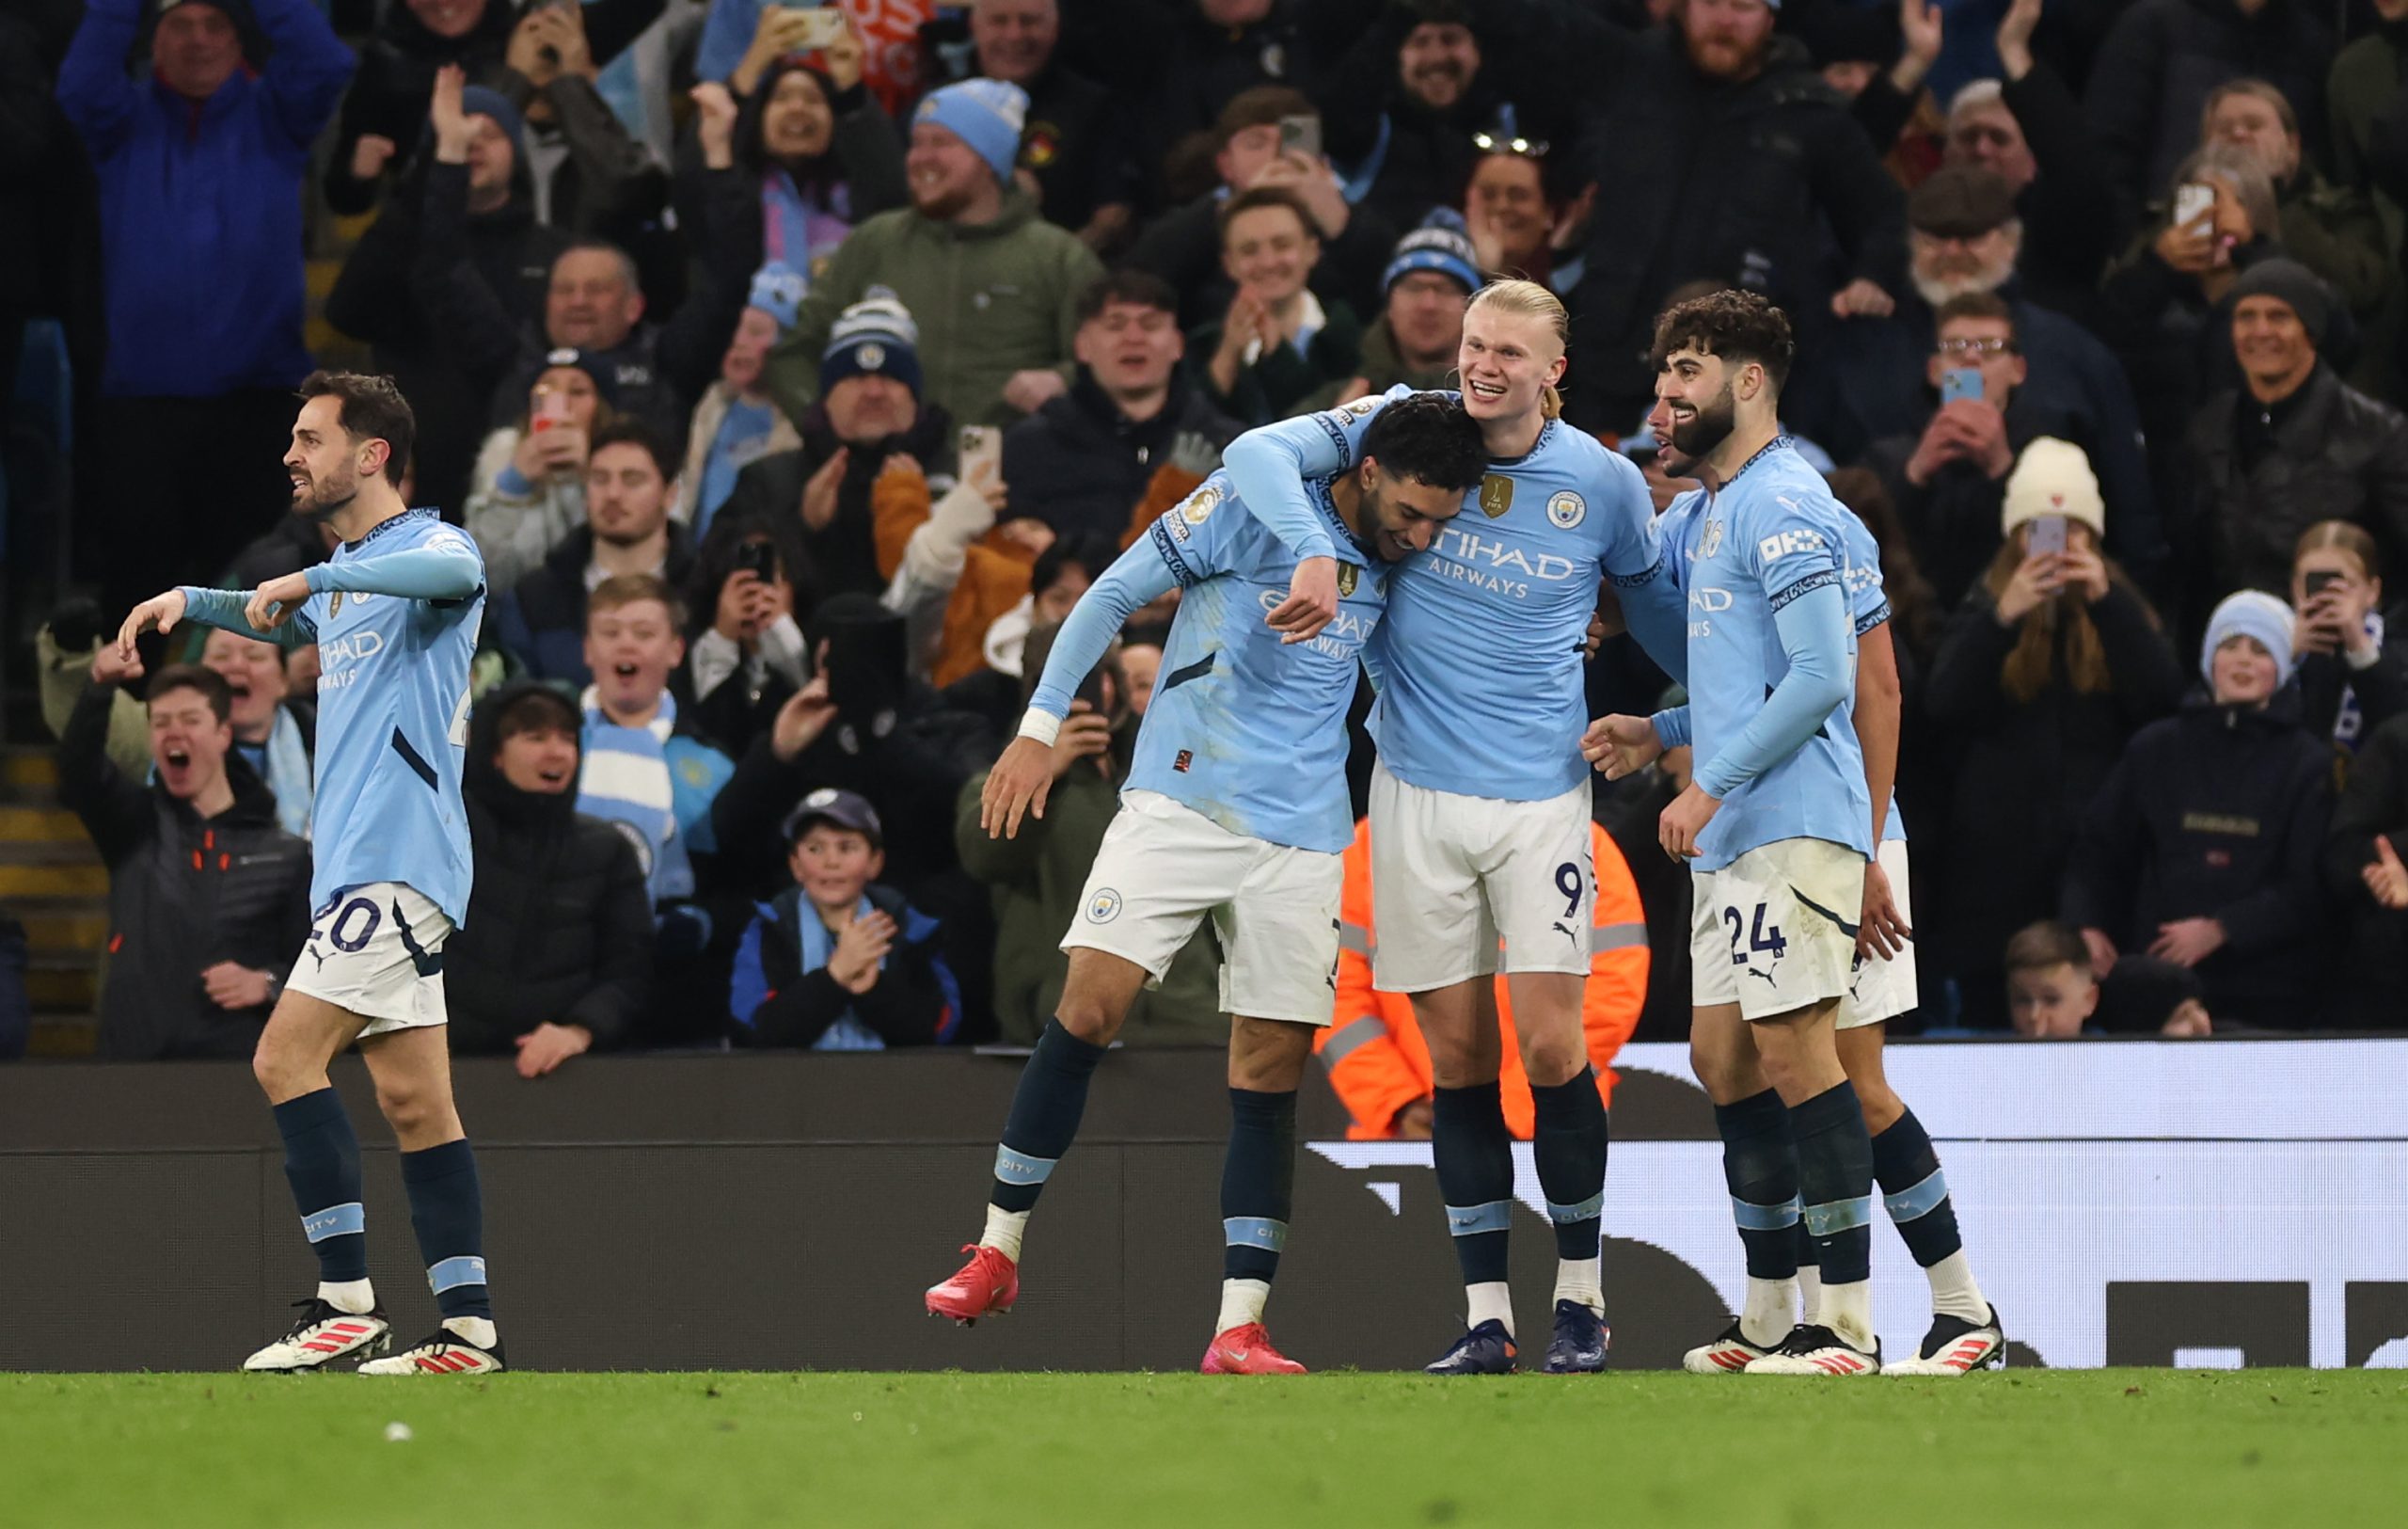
185, 892
1080, 466
991, 299
559, 928
2219, 813
200, 203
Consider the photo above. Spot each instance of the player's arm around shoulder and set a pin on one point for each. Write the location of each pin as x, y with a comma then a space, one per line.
441, 565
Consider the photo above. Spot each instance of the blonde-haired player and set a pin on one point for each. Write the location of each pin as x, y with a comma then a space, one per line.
1481, 804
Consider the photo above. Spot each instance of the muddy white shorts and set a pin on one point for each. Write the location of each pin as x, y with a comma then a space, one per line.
1775, 930
1164, 868
1882, 989
377, 950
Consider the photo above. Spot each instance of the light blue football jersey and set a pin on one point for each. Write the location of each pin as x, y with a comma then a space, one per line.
1480, 660
395, 616
1246, 731
1868, 603
1771, 535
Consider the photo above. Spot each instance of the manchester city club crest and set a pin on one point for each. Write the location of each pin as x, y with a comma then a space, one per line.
1347, 575
1105, 906
1496, 495
1711, 542
1566, 510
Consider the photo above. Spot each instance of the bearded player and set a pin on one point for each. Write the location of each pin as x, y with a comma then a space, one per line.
394, 613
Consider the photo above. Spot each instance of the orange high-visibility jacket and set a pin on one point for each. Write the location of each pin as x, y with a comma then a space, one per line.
1376, 1058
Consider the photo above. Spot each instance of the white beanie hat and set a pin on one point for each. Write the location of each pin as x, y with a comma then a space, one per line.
2054, 477
2251, 613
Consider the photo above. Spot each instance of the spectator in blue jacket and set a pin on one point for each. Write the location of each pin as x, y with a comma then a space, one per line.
200, 165
838, 962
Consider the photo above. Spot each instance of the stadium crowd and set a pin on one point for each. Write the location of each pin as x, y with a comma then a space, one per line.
795, 369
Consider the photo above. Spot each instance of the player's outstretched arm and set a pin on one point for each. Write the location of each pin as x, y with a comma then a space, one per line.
1814, 631
221, 608
445, 567
1023, 776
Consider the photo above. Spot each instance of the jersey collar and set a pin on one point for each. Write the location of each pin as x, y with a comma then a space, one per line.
1328, 507
383, 526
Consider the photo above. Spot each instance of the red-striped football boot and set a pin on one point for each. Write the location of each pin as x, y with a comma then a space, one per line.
446, 1353
1728, 1354
1955, 1347
322, 1335
1811, 1348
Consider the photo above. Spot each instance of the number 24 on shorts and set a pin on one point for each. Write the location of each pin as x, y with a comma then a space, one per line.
1758, 936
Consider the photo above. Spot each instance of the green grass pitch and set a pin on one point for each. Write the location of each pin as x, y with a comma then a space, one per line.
2057, 1448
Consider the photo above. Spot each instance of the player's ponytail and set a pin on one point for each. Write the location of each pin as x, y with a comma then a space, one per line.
1527, 299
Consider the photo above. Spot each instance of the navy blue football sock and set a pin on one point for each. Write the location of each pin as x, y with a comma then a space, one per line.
322, 1163
1835, 1182
1475, 1161
1915, 1191
1760, 1166
1258, 1182
1044, 1120
447, 1210
1569, 1143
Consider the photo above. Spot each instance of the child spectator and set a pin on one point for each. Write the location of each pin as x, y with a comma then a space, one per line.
2202, 847
2350, 681
837, 962
2052, 993
639, 772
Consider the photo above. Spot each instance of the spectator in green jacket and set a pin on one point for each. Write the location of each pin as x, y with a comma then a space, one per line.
994, 288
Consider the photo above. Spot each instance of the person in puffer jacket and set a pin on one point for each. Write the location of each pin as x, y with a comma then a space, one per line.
837, 962
209, 900
2204, 846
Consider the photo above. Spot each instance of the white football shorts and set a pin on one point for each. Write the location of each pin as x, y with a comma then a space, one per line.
377, 950
1452, 876
1880, 990
1775, 930
1164, 868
